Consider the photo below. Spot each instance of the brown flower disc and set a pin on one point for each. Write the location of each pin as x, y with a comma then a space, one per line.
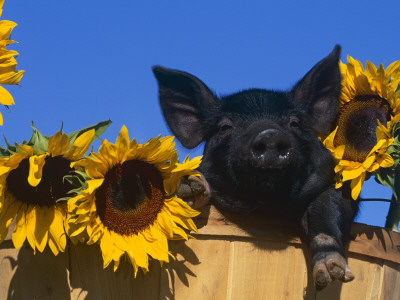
50, 188
357, 123
130, 197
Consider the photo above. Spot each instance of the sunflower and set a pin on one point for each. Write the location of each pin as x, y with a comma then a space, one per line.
130, 205
368, 109
32, 183
8, 64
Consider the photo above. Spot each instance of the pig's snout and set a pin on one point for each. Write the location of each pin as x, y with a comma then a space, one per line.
270, 149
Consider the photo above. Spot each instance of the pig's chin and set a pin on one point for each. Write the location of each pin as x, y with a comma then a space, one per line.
261, 180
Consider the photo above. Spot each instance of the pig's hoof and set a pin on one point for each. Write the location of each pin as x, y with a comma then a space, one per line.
194, 190
333, 266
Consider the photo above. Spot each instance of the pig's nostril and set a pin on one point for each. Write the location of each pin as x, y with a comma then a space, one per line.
283, 150
259, 149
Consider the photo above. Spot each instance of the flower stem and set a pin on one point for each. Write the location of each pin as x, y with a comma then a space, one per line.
393, 217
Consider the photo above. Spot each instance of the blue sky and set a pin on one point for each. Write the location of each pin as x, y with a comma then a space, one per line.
88, 61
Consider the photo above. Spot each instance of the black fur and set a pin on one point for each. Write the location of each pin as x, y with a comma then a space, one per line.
262, 153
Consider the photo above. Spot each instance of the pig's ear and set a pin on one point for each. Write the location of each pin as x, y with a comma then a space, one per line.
319, 90
184, 100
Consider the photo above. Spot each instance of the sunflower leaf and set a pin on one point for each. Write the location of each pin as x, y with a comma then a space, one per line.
82, 174
99, 130
11, 148
77, 203
38, 142
73, 217
78, 180
63, 199
390, 177
4, 152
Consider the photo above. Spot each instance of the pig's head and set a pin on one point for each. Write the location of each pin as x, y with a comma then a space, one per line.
261, 146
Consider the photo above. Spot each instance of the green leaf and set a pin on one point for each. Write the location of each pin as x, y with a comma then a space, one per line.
63, 199
390, 177
38, 142
73, 217
78, 180
99, 130
4, 152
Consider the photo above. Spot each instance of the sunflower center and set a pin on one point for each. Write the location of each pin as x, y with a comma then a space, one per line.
50, 188
357, 122
130, 197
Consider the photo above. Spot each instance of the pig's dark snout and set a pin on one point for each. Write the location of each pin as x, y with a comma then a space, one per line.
270, 149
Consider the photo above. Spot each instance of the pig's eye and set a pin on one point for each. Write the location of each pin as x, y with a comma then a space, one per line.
225, 124
294, 122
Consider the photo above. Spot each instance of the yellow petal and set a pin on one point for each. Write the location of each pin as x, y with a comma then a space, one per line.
58, 144
5, 97
11, 77
108, 152
44, 217
385, 160
80, 145
19, 233
6, 27
53, 246
30, 219
7, 214
352, 174
93, 185
369, 161
137, 253
356, 185
122, 144
24, 151
36, 163
107, 248
56, 231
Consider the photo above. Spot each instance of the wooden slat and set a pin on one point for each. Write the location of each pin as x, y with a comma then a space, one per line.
391, 281
24, 275
88, 279
267, 268
200, 271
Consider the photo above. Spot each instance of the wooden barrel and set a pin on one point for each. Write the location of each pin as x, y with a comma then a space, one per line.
230, 258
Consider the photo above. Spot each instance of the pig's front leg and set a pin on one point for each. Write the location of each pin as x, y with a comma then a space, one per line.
194, 190
327, 223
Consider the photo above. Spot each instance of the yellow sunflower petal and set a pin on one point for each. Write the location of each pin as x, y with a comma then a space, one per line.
385, 160
352, 174
137, 253
19, 233
30, 217
58, 144
54, 247
24, 151
36, 163
122, 143
7, 214
57, 234
11, 78
5, 97
44, 217
93, 185
356, 185
80, 145
106, 245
